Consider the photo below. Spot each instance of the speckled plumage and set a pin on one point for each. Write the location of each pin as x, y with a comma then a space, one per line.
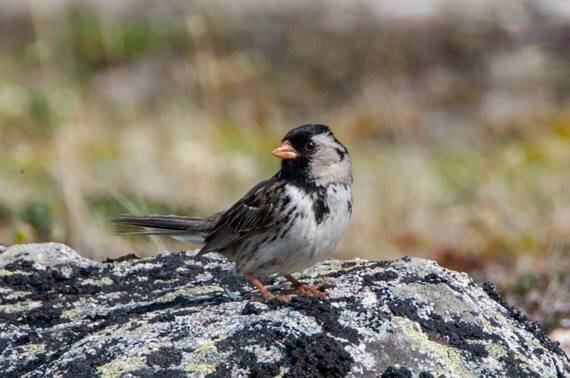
283, 225
304, 235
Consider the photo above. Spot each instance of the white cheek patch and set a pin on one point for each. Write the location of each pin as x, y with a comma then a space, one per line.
327, 166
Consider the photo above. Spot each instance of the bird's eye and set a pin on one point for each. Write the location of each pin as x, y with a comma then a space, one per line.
310, 146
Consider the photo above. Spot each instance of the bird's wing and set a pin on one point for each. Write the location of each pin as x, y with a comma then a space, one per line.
258, 210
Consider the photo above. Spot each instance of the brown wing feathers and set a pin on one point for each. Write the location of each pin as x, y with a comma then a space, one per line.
253, 213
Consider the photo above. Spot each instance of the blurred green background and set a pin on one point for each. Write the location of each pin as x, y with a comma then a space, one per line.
457, 114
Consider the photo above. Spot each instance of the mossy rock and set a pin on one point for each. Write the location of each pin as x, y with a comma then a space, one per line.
177, 315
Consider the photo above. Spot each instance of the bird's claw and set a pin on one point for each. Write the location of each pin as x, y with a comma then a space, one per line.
311, 291
279, 298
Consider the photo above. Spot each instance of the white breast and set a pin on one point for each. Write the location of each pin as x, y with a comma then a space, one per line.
307, 243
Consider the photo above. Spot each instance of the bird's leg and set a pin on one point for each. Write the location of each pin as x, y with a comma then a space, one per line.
304, 289
262, 289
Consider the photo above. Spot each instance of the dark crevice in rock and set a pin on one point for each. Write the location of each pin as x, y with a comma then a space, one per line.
122, 315
396, 372
164, 358
161, 373
320, 355
388, 275
129, 257
456, 333
431, 278
43, 317
229, 280
42, 285
86, 366
425, 374
326, 316
529, 325
514, 367
164, 317
308, 356
47, 316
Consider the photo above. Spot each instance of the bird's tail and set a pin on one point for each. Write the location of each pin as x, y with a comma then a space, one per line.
188, 229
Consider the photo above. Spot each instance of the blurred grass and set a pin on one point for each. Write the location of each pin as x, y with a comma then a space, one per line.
458, 122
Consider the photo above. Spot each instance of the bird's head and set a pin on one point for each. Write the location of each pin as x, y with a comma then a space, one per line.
312, 155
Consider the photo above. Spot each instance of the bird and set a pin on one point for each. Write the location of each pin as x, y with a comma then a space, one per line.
284, 224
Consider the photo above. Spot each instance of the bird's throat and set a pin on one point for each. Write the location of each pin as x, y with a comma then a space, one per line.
297, 171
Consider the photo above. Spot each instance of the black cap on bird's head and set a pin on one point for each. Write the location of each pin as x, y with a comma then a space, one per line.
307, 131
309, 152
299, 141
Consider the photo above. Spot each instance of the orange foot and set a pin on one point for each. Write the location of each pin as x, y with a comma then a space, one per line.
304, 289
311, 291
267, 295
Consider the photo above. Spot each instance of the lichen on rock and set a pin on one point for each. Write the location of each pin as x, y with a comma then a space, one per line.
177, 315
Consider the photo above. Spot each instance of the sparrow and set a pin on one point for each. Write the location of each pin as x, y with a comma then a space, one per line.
284, 224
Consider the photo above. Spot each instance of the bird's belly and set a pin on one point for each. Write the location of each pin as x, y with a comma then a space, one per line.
306, 243
314, 246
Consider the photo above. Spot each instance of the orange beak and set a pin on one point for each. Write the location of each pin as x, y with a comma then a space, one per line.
285, 151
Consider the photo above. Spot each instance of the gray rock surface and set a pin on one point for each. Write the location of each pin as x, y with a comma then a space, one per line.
43, 256
177, 316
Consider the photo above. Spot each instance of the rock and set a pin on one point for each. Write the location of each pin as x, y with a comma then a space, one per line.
43, 256
176, 315
562, 336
